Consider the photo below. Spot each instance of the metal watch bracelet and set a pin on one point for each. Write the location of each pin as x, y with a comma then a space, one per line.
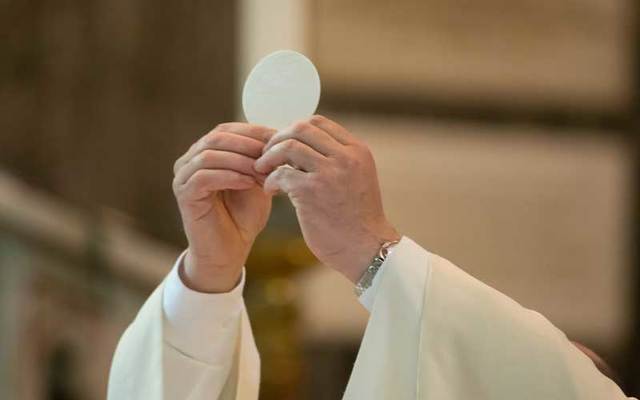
369, 274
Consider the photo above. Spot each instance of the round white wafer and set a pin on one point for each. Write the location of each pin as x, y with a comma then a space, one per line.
282, 88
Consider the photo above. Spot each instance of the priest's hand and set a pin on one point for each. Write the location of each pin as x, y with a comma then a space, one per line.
331, 179
222, 203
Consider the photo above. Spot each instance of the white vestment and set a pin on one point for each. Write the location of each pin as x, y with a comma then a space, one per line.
434, 333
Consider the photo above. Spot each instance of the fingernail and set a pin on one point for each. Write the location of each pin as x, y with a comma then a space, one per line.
258, 167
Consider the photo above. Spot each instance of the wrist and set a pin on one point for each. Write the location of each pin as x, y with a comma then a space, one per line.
365, 251
207, 276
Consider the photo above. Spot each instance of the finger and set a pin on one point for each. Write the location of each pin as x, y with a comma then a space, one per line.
284, 179
337, 131
258, 132
205, 181
233, 142
290, 152
224, 141
308, 134
216, 159
220, 138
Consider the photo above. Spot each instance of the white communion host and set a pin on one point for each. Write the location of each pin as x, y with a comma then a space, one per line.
434, 332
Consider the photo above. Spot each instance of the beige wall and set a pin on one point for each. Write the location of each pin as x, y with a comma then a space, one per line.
569, 54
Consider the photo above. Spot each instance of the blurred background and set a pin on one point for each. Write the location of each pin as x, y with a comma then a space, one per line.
506, 134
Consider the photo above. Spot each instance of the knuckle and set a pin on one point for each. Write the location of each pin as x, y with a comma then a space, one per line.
279, 173
275, 175
300, 126
211, 140
175, 186
359, 156
223, 126
207, 157
198, 178
258, 130
289, 144
317, 119
199, 160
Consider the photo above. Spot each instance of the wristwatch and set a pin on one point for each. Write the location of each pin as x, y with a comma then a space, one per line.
366, 280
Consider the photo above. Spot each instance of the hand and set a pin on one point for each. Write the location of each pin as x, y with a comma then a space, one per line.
222, 204
334, 189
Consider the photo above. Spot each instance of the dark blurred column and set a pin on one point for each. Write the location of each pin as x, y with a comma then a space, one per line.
99, 97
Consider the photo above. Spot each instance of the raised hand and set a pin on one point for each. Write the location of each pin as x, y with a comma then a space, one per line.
222, 203
331, 179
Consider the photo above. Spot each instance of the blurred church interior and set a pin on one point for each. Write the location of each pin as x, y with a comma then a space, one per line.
505, 135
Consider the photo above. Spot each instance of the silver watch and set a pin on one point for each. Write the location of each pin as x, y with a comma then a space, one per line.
366, 280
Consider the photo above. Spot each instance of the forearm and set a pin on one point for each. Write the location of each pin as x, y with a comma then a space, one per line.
185, 344
201, 325
211, 339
